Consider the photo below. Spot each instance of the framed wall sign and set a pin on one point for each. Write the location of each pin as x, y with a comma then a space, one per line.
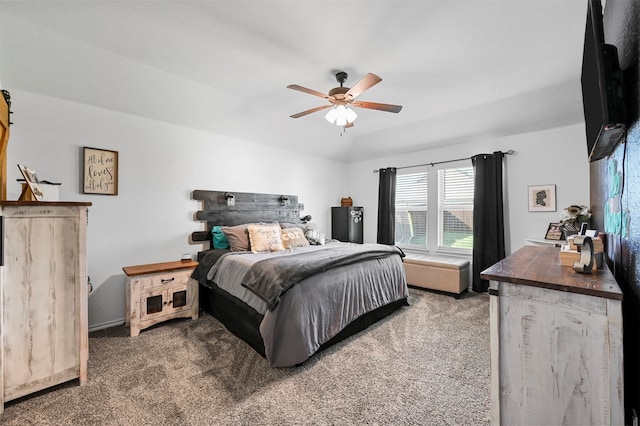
542, 198
100, 173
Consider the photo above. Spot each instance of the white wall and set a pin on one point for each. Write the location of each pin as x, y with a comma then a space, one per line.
557, 156
152, 216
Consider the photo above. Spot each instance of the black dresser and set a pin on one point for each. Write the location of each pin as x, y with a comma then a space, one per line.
346, 224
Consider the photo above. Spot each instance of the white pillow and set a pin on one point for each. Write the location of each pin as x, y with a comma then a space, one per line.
265, 237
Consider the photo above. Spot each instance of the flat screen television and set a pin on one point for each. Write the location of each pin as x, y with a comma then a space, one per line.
602, 88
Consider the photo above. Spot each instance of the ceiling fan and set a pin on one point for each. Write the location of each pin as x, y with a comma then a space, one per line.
343, 97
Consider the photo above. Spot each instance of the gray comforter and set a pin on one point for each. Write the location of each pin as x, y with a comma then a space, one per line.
316, 306
270, 278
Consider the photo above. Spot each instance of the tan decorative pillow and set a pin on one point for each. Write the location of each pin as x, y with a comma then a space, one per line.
265, 237
293, 237
237, 236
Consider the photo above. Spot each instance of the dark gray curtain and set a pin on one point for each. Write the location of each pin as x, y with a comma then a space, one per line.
387, 206
488, 216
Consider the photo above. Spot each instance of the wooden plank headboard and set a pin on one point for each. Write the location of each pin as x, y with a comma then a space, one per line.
249, 208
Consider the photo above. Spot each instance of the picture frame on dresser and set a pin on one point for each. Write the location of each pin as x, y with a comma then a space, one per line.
30, 190
542, 198
554, 232
100, 171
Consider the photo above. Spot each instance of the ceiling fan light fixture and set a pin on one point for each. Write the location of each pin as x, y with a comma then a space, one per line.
338, 97
331, 115
351, 115
341, 115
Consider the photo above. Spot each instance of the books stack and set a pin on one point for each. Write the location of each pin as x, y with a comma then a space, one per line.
598, 246
569, 253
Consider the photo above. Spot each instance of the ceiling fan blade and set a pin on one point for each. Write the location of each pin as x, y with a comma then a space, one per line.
346, 126
309, 91
365, 83
375, 105
309, 111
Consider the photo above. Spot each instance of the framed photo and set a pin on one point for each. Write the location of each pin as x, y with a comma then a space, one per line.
100, 173
542, 198
31, 185
554, 232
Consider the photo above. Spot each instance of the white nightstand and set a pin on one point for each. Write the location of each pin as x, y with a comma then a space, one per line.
158, 292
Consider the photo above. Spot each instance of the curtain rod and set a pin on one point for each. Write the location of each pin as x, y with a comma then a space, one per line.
510, 152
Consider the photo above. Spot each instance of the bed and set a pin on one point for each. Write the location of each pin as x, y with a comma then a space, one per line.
292, 298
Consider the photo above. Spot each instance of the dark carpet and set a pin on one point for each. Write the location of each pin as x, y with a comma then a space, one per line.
427, 363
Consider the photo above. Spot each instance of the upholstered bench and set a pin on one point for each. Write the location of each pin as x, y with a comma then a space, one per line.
442, 273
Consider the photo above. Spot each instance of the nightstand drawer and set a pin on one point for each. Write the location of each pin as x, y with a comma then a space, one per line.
166, 278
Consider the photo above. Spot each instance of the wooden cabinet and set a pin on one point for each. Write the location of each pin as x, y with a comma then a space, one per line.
556, 342
159, 291
43, 288
346, 224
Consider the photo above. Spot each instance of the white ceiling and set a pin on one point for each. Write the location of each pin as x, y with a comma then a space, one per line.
463, 70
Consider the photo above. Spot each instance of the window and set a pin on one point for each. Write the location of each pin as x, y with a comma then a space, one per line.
455, 208
447, 228
411, 209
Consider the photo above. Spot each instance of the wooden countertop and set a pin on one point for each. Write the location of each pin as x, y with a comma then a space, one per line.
154, 268
44, 203
540, 267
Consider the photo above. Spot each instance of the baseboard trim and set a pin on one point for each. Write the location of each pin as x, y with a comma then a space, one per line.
104, 325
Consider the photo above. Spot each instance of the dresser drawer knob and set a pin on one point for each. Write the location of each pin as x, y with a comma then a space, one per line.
167, 281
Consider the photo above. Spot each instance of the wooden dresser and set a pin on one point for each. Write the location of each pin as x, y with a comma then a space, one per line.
43, 293
556, 342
